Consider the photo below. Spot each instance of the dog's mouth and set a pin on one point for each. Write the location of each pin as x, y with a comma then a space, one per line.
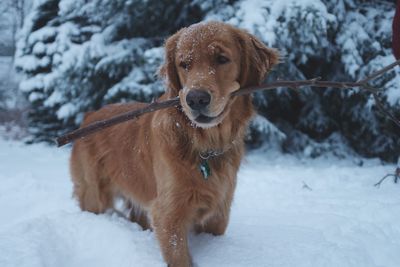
208, 116
204, 119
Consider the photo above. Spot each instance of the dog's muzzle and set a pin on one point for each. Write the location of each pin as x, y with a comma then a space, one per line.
198, 100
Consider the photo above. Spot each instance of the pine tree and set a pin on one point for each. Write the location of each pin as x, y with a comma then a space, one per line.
78, 56
31, 51
336, 40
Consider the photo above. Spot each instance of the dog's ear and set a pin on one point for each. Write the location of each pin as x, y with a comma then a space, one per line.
256, 59
168, 70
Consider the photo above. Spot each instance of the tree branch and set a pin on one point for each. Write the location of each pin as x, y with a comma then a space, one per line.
362, 84
395, 175
378, 184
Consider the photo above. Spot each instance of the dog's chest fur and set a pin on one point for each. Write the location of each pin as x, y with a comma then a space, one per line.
177, 161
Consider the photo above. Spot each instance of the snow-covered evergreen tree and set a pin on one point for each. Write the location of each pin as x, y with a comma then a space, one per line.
79, 55
336, 40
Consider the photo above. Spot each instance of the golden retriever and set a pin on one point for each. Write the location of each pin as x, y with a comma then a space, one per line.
177, 167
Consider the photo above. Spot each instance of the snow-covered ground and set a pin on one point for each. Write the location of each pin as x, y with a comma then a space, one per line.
340, 220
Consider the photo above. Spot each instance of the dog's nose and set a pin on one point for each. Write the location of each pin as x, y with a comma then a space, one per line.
198, 99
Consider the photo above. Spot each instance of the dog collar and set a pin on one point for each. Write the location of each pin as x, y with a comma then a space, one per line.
204, 165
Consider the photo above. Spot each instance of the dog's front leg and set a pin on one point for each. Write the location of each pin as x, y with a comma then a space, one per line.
171, 223
218, 222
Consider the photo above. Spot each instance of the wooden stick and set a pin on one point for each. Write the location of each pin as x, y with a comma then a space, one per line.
362, 84
99, 125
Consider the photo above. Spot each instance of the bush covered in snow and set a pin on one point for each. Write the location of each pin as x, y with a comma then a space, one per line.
80, 55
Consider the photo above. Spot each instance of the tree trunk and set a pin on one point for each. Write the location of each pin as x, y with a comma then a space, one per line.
396, 32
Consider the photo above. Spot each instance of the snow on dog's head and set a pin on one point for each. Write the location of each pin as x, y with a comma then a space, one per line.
206, 62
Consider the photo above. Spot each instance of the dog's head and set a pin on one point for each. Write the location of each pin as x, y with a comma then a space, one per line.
206, 62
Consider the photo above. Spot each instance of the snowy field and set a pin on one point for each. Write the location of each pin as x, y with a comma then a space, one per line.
340, 220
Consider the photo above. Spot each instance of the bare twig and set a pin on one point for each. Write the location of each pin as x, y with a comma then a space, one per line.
385, 111
362, 84
305, 186
395, 175
378, 184
379, 72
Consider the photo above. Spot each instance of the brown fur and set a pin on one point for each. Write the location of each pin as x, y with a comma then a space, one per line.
154, 161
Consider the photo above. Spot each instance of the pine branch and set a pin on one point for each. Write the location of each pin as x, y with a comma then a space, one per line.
362, 84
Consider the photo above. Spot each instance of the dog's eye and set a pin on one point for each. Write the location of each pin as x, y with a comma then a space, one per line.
184, 65
222, 59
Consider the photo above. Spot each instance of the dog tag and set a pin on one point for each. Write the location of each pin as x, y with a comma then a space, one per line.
205, 169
